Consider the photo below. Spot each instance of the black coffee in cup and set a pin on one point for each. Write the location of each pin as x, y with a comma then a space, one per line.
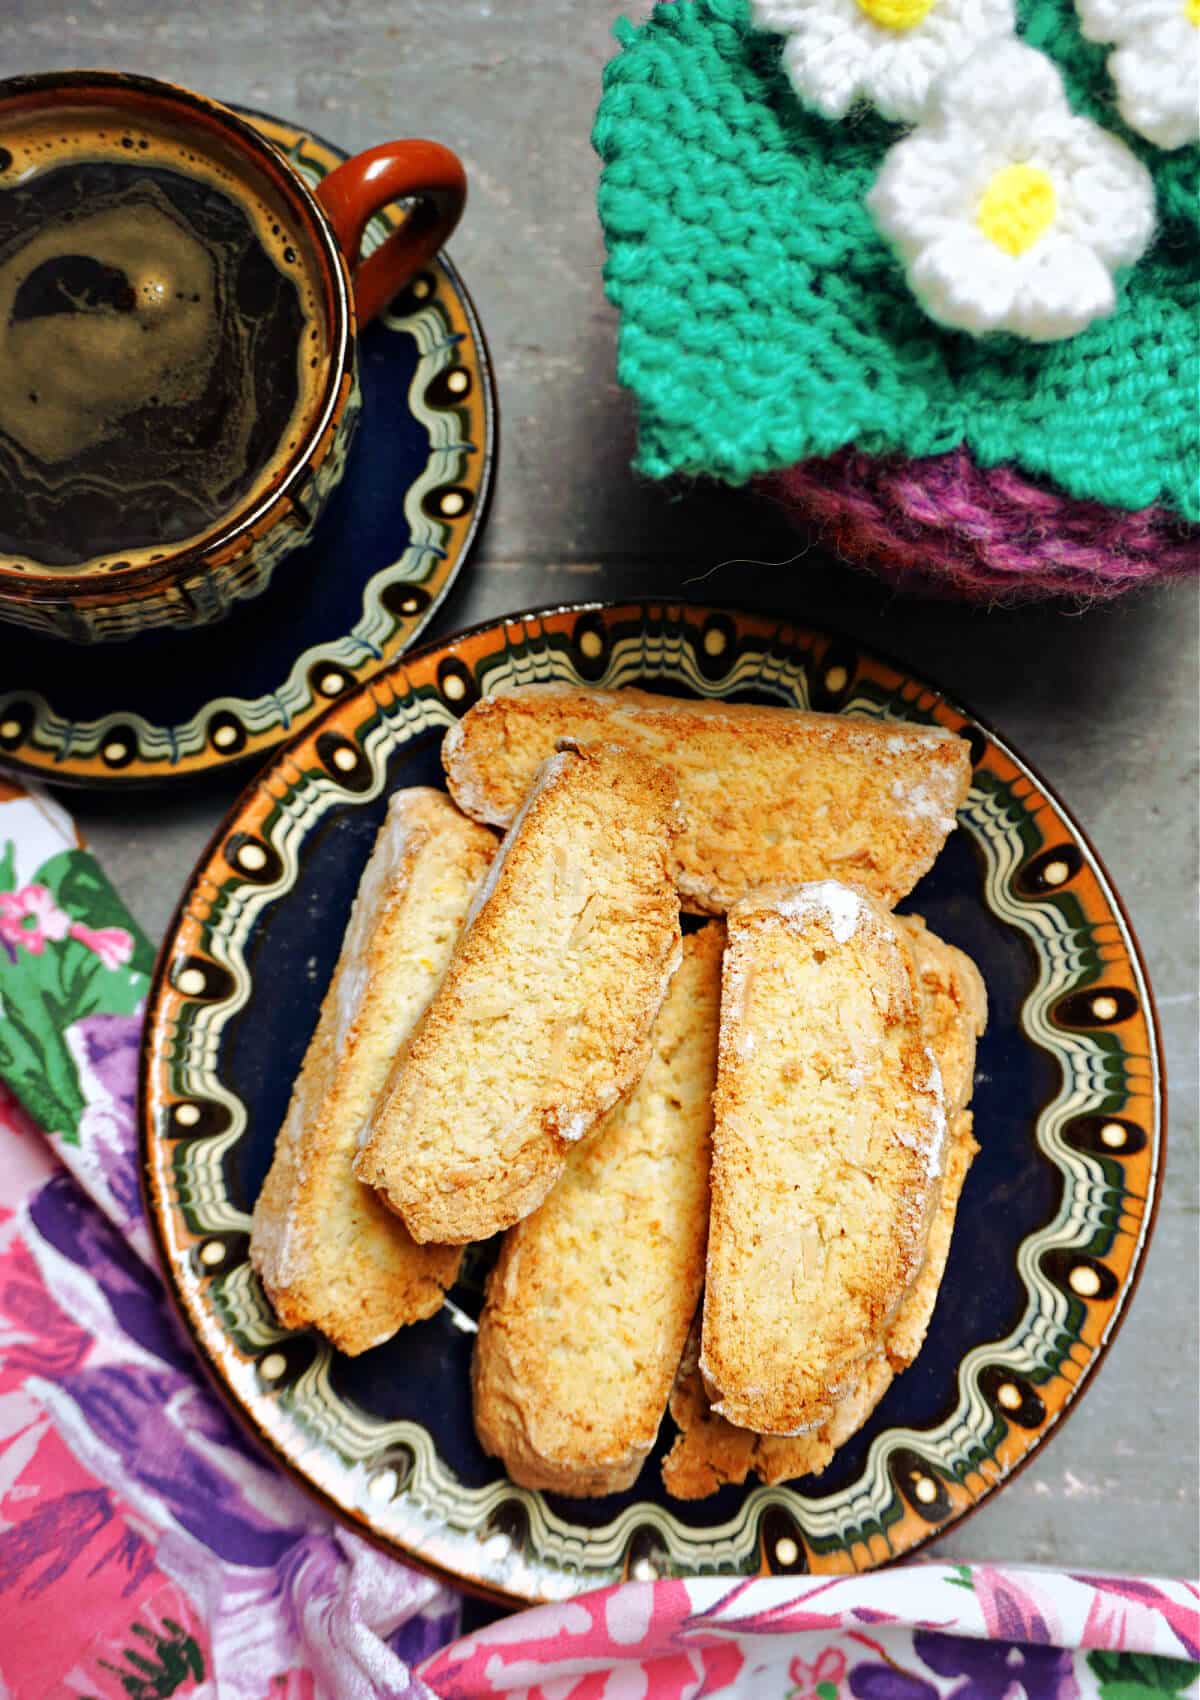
163, 338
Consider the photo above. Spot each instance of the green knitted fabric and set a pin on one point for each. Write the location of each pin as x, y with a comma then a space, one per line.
763, 320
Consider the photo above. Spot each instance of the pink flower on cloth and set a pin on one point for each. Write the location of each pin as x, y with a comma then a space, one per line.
29, 917
820, 1680
1124, 1607
113, 945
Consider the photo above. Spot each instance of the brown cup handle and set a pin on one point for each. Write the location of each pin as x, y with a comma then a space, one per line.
364, 185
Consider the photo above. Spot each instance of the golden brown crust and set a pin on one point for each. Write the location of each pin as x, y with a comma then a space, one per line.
543, 1020
828, 1140
593, 1294
709, 1451
330, 1255
769, 795
955, 1008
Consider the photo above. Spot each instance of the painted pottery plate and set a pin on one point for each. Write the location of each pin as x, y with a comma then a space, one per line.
385, 553
1052, 1226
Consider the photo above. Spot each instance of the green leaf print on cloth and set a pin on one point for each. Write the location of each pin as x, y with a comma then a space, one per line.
1140, 1676
68, 951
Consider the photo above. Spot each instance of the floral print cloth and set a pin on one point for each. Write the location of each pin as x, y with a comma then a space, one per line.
923, 1632
148, 1550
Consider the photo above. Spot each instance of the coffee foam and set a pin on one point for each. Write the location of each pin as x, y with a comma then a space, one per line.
89, 371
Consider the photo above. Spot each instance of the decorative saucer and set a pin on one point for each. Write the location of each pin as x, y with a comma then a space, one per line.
392, 542
1051, 1230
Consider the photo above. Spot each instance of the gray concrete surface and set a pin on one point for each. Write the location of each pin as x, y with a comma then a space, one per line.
1104, 703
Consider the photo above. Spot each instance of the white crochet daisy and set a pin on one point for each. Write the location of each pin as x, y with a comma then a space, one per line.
1156, 66
888, 52
1009, 212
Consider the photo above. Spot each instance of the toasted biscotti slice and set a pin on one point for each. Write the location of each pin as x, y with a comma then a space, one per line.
769, 795
331, 1255
829, 1128
591, 1300
709, 1451
955, 1008
543, 1019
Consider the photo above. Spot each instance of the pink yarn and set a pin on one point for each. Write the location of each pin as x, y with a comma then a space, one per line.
945, 524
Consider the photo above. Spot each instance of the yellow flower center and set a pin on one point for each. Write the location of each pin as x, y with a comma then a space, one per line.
1191, 11
901, 14
1017, 207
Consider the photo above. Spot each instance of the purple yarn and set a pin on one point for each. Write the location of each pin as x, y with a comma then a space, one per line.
945, 524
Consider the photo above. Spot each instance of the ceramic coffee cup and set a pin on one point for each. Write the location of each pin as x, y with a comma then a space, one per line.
177, 336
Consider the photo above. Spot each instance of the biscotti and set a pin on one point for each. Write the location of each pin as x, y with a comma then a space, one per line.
329, 1253
954, 1002
828, 1145
591, 1300
543, 1020
769, 795
709, 1451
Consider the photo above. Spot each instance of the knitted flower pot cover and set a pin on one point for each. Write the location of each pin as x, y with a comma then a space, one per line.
767, 331
944, 525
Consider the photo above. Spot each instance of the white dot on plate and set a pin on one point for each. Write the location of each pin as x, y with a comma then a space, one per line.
191, 982
1009, 1395
409, 605
454, 688
10, 729
1112, 1133
836, 679
272, 1366
332, 683
421, 288
187, 1115
591, 644
457, 381
253, 857
452, 502
1084, 1281
344, 759
1056, 873
382, 1485
714, 642
1104, 1009
786, 1551
116, 751
224, 736
925, 1489
643, 1571
213, 1252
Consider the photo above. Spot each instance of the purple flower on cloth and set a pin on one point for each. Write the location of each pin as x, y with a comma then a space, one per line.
132, 1294
105, 1050
991, 1670
30, 917
159, 1426
889, 1682
998, 1670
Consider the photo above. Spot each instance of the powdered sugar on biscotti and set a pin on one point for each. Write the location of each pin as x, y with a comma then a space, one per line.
840, 905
